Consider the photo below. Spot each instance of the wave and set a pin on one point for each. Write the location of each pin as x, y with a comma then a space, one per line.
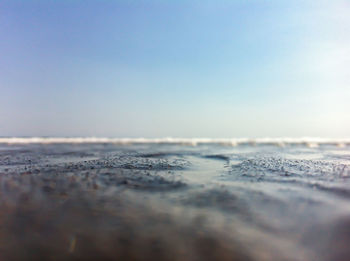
306, 141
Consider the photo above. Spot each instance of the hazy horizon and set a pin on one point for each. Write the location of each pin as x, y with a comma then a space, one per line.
214, 69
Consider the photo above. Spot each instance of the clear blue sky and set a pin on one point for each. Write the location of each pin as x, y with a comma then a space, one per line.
175, 68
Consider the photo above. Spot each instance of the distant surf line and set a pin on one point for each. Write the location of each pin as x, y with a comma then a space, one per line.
307, 141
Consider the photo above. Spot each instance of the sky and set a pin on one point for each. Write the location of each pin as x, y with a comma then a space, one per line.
157, 68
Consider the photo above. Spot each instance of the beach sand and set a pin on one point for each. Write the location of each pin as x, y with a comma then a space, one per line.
174, 202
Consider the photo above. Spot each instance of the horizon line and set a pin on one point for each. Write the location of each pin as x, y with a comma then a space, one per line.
281, 141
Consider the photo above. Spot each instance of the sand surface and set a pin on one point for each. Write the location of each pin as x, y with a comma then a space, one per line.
174, 202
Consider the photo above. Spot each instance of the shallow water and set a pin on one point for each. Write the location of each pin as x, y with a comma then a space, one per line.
244, 202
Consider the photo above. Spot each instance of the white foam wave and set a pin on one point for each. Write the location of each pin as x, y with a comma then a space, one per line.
307, 141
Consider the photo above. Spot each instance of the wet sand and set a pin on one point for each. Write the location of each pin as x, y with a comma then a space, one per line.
174, 202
